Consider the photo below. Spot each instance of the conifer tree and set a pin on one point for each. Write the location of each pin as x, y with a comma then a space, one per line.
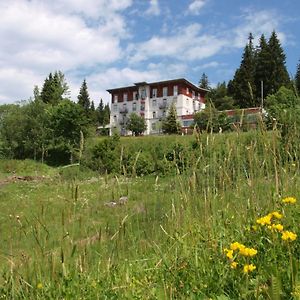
84, 98
100, 113
261, 67
55, 88
204, 83
278, 73
242, 85
270, 69
170, 125
92, 106
47, 90
106, 114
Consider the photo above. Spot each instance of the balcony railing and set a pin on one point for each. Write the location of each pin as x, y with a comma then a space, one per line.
163, 105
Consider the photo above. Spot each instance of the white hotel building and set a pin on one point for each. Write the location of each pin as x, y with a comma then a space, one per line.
152, 100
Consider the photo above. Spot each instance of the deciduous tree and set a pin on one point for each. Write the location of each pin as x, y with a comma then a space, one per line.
136, 124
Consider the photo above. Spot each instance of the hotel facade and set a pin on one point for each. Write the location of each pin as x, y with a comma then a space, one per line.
152, 101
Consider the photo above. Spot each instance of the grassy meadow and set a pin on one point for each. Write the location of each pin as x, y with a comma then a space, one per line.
209, 231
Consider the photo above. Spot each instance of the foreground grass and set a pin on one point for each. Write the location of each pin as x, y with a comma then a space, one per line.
60, 240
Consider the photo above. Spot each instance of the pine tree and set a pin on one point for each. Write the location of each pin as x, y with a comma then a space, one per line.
170, 125
261, 68
47, 90
204, 83
54, 88
297, 79
100, 112
242, 85
92, 106
270, 69
106, 114
278, 74
84, 98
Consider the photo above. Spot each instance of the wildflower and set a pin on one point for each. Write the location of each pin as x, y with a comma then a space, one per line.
248, 251
39, 286
277, 215
254, 227
229, 253
266, 220
233, 265
277, 227
249, 268
288, 235
290, 200
236, 246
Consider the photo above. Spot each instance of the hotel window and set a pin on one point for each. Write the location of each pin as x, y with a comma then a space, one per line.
165, 91
153, 126
133, 106
142, 107
154, 103
193, 94
116, 107
175, 90
115, 98
125, 97
135, 96
154, 93
143, 93
187, 90
154, 114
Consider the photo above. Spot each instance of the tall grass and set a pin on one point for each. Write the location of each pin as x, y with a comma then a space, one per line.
60, 240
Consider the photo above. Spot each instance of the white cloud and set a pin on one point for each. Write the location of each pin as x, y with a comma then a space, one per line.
257, 22
153, 8
187, 44
196, 6
16, 83
212, 64
38, 37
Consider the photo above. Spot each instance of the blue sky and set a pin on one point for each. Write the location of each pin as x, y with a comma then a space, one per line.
114, 43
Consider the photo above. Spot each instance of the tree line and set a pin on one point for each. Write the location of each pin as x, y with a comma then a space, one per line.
262, 72
50, 127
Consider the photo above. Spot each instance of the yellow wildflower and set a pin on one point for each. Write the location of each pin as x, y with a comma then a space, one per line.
248, 251
277, 227
277, 215
288, 235
254, 227
249, 268
229, 253
233, 265
39, 286
236, 246
266, 220
291, 200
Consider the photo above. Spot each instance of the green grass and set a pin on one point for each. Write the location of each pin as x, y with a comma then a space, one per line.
60, 240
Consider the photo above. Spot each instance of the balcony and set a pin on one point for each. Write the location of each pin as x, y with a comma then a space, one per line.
163, 105
123, 110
